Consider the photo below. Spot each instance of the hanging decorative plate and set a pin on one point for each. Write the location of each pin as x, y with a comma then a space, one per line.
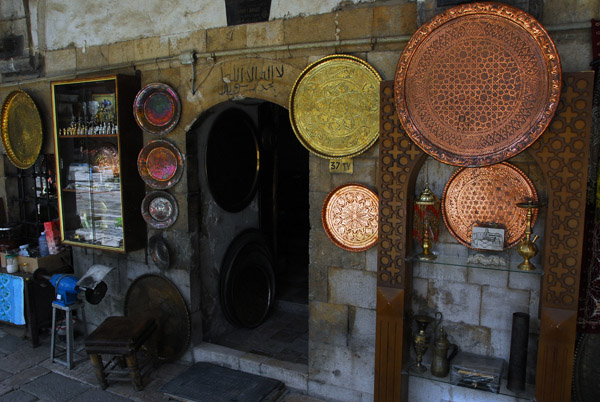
106, 158
160, 164
21, 129
157, 297
157, 108
160, 209
350, 214
477, 84
334, 106
488, 197
159, 252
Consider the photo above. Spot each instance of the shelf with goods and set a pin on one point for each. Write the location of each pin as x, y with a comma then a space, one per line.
96, 143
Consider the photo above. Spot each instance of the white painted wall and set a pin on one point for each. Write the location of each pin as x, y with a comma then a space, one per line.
109, 21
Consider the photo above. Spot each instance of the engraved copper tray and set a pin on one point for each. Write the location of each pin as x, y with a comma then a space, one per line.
488, 197
106, 158
160, 164
160, 209
477, 84
157, 108
350, 217
21, 129
156, 296
334, 106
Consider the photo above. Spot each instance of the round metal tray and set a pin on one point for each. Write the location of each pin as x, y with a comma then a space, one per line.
21, 129
488, 197
157, 297
160, 209
350, 217
334, 106
157, 108
477, 84
160, 164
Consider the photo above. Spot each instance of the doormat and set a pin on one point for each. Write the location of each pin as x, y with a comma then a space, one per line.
206, 382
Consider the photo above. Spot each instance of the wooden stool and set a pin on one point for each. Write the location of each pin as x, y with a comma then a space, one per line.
120, 337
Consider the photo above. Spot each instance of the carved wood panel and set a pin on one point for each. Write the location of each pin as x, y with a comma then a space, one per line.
562, 152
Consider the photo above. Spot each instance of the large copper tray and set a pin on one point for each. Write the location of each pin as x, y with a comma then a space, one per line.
21, 129
157, 108
157, 297
477, 84
160, 164
334, 106
488, 197
350, 217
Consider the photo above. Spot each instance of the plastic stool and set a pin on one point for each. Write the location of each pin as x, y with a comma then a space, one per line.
69, 344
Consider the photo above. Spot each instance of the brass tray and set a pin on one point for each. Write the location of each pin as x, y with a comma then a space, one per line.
159, 252
160, 164
160, 209
350, 217
106, 158
156, 296
157, 108
334, 106
477, 84
488, 197
21, 129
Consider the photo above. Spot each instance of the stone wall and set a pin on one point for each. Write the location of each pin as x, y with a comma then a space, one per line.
342, 285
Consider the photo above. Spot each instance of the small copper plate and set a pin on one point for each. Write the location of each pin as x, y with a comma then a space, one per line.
160, 209
160, 164
334, 106
157, 108
488, 197
21, 129
477, 84
350, 217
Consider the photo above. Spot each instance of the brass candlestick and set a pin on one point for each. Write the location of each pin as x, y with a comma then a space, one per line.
527, 248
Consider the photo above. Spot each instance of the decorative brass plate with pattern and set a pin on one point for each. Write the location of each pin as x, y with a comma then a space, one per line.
350, 217
488, 196
334, 106
21, 129
477, 84
160, 164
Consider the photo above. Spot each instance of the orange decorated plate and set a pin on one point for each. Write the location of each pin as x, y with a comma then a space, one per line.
157, 108
350, 217
488, 197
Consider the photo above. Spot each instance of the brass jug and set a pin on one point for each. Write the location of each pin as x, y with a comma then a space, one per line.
441, 361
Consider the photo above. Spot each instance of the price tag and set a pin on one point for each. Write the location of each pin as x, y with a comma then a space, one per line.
344, 166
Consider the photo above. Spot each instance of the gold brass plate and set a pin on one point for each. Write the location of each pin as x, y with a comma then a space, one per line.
21, 129
334, 106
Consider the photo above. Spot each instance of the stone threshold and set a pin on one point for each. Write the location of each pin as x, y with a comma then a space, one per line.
293, 375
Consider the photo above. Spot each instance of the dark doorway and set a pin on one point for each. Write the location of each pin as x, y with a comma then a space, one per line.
273, 208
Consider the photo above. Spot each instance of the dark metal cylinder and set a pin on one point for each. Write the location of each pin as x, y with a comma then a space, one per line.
517, 364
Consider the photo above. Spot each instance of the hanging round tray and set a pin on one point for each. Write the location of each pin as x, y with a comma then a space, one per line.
334, 106
157, 108
477, 84
157, 297
159, 252
160, 209
160, 164
350, 217
21, 129
488, 197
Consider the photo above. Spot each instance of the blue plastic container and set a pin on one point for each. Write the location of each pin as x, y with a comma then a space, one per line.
43, 245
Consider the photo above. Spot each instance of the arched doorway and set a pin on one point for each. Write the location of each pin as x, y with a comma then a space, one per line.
253, 177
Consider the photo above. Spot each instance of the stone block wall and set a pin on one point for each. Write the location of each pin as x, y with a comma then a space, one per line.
477, 305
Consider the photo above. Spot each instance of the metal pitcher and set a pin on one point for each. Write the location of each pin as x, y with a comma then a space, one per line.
441, 360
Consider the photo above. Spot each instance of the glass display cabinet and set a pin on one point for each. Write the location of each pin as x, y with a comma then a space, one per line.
96, 144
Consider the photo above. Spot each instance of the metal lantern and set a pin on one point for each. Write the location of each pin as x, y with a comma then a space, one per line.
426, 222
